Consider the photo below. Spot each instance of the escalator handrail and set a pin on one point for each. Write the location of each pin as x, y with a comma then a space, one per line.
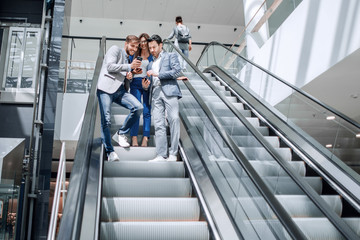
308, 190
71, 221
275, 205
341, 115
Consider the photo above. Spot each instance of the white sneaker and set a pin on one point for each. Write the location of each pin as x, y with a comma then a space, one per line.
121, 140
172, 158
158, 159
113, 157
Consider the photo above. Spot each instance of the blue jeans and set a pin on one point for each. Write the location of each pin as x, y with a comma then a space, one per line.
137, 90
182, 61
124, 99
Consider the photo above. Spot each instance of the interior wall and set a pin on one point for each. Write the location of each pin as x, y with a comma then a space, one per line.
313, 39
111, 28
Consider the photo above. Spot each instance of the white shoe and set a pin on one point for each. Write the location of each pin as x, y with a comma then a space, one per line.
121, 140
113, 157
172, 158
158, 159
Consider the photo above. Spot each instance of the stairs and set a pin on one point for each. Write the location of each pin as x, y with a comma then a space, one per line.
148, 200
303, 211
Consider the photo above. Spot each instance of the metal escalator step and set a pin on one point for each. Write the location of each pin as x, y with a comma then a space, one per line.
251, 141
136, 153
144, 169
272, 168
146, 187
231, 130
221, 105
354, 224
210, 92
301, 206
234, 121
150, 209
154, 231
202, 86
217, 99
286, 186
318, 228
217, 112
297, 206
259, 153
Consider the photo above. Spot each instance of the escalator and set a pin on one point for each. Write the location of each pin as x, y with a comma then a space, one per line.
234, 179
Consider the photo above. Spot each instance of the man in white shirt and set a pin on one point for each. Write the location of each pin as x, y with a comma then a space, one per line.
166, 93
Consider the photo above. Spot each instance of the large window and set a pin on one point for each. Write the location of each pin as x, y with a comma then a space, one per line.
21, 59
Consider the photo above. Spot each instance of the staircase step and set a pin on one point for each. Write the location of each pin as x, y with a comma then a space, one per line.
144, 169
150, 209
302, 206
146, 187
136, 153
251, 141
154, 230
259, 153
272, 168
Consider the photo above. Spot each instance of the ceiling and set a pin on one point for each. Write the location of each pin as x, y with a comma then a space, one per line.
226, 12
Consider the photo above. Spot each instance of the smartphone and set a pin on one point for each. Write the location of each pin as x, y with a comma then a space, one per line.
139, 58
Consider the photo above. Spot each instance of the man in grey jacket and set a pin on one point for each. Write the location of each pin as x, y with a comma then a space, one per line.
165, 91
117, 68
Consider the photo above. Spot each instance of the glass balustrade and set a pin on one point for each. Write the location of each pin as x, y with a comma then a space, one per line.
334, 134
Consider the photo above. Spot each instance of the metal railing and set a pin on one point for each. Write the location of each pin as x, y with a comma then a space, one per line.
86, 160
60, 187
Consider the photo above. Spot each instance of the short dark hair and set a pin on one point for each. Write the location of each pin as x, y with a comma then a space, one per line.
156, 38
132, 38
178, 19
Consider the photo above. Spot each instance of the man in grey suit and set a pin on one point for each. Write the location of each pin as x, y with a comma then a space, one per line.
166, 93
117, 68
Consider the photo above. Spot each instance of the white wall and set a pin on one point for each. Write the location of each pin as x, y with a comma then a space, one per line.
111, 28
317, 35
314, 38
71, 109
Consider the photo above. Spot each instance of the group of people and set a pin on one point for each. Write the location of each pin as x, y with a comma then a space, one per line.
148, 72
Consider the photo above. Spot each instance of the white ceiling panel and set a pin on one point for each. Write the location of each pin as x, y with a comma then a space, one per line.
92, 8
228, 12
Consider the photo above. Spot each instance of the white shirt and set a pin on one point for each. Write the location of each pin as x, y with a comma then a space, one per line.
156, 68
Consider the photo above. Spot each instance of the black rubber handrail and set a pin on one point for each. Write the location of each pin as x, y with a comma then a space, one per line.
275, 205
71, 220
342, 116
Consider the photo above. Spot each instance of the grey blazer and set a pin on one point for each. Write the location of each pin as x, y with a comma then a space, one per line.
113, 70
169, 70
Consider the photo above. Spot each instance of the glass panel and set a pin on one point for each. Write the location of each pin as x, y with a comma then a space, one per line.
281, 13
250, 211
9, 196
15, 58
30, 58
79, 76
330, 133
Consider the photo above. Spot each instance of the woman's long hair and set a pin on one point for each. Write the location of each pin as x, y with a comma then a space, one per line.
146, 36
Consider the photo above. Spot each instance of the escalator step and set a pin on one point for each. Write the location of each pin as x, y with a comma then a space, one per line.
144, 169
150, 209
154, 231
146, 187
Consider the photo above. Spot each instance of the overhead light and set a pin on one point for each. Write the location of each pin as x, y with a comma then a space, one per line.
330, 117
328, 145
357, 135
